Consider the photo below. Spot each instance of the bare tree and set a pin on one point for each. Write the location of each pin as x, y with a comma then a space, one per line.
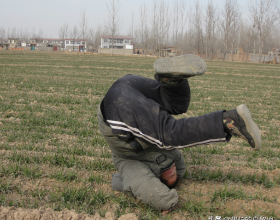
264, 16
246, 37
25, 35
179, 22
74, 34
189, 35
194, 34
155, 27
33, 33
83, 24
144, 31
90, 39
13, 33
235, 36
229, 19
163, 25
210, 29
113, 21
176, 24
41, 34
97, 37
131, 29
38, 35
278, 9
198, 33
63, 33
2, 34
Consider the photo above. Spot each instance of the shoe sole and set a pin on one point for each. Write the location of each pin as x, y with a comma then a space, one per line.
251, 126
180, 66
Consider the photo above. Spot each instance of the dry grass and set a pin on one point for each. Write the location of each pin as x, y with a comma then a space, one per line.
52, 154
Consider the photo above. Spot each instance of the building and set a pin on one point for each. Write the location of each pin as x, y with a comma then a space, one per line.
274, 52
52, 44
7, 44
169, 51
121, 45
119, 42
75, 45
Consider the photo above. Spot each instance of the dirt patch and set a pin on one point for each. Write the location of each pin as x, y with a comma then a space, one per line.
236, 74
255, 198
12, 213
84, 67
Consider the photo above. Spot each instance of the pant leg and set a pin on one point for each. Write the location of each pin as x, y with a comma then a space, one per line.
135, 110
177, 97
117, 182
141, 182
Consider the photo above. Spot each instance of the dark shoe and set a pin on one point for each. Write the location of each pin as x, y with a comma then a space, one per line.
180, 66
239, 122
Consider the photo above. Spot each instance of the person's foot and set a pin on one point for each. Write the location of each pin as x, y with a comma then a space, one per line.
180, 66
239, 122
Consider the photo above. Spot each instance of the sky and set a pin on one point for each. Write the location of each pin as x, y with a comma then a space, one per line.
47, 17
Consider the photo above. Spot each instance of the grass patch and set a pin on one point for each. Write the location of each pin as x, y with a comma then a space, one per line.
16, 170
83, 198
48, 105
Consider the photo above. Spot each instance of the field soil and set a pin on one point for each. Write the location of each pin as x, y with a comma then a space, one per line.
55, 164
12, 213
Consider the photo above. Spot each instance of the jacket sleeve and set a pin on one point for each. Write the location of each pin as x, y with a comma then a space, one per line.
180, 164
141, 182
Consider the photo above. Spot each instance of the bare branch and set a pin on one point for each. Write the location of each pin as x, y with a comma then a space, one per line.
229, 23
83, 23
74, 34
263, 14
63, 31
113, 22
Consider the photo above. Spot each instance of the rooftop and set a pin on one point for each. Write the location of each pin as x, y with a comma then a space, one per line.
116, 37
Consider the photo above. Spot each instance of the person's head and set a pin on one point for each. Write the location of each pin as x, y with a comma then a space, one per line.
169, 177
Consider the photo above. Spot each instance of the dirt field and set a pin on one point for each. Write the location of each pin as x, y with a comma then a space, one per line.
54, 163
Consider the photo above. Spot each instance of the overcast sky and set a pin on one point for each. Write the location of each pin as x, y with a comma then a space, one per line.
49, 16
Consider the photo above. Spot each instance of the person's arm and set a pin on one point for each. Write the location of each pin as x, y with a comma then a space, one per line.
180, 165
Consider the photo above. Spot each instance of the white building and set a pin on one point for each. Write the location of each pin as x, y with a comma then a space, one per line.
119, 42
76, 44
51, 44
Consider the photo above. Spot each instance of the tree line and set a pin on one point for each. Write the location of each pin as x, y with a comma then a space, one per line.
207, 29
192, 27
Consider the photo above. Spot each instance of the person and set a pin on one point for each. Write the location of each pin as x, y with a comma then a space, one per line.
136, 119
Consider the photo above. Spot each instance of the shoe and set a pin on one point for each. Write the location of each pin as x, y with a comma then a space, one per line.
238, 122
180, 66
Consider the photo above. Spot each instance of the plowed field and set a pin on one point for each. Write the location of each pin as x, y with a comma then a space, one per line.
54, 161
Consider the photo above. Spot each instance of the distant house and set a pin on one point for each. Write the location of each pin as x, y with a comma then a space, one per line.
53, 44
121, 45
274, 52
9, 43
169, 51
119, 42
71, 44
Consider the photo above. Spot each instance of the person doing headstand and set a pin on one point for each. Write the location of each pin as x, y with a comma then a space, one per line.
135, 118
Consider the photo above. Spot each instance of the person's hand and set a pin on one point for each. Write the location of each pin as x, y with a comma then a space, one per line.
165, 212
